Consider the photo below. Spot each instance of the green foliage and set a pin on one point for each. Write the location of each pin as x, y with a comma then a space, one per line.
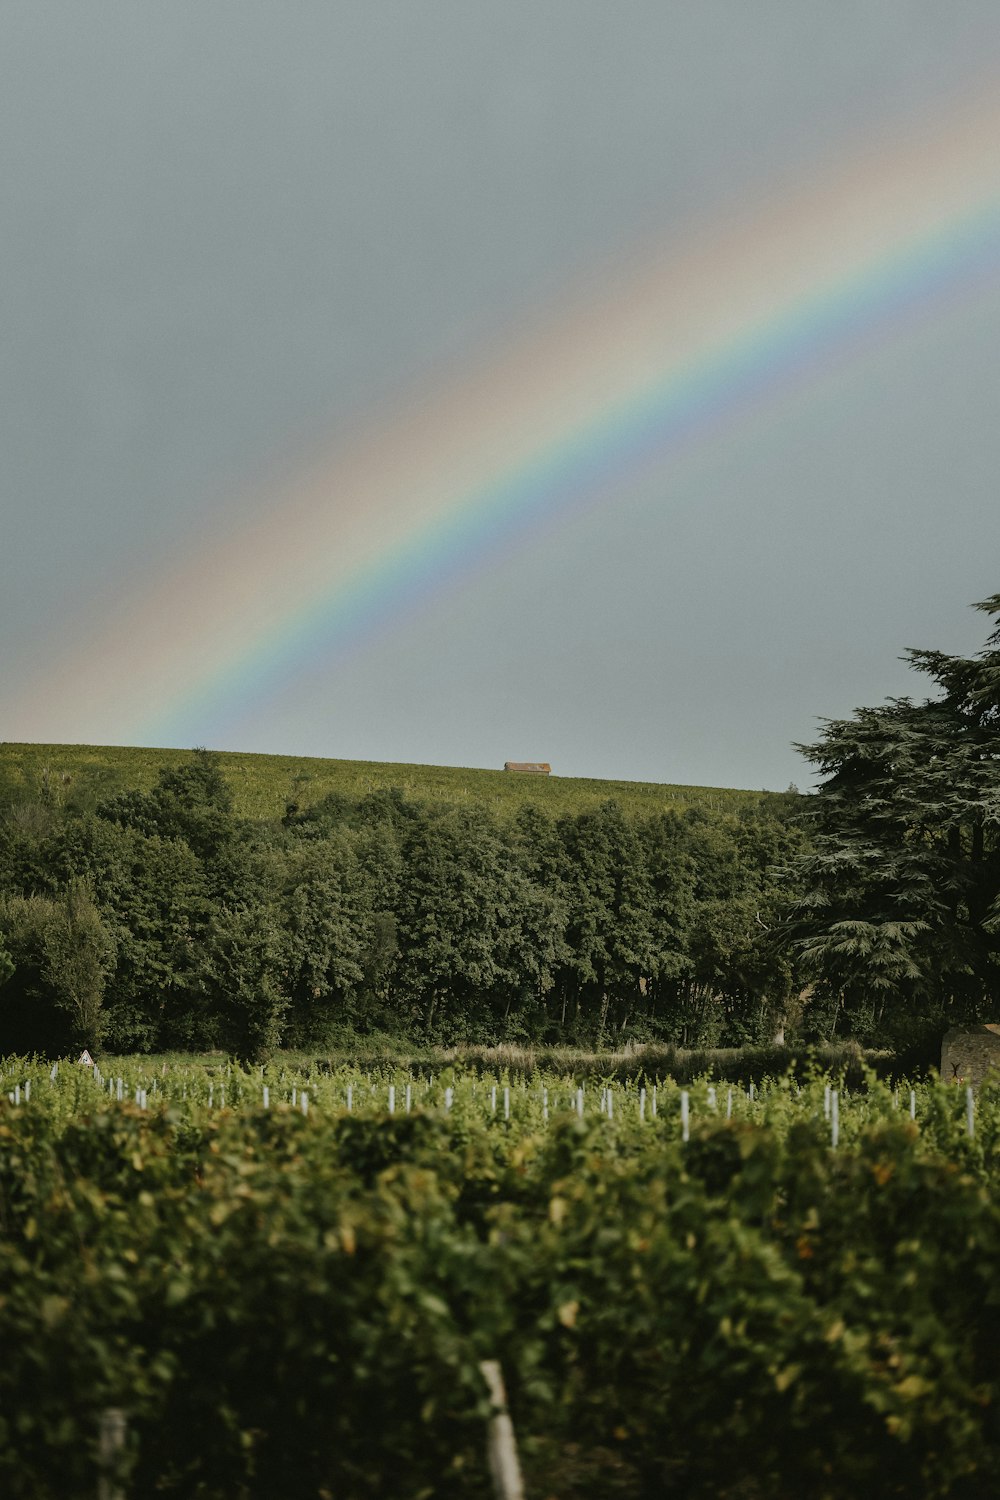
241, 974
432, 919
61, 953
897, 923
263, 786
273, 1295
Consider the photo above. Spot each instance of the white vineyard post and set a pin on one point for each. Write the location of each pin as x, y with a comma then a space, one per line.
611, 1106
970, 1112
121, 1089
653, 1108
729, 1105
826, 1102
392, 1098
267, 1097
304, 1102
579, 1103
350, 1097
111, 1441
545, 1104
493, 1100
913, 1104
712, 1101
685, 1116
501, 1444
449, 1095
642, 1104
27, 1091
506, 1103
409, 1097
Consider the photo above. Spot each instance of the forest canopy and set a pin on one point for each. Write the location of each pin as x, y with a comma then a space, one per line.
197, 928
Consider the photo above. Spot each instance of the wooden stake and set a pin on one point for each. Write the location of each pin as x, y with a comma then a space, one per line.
501, 1445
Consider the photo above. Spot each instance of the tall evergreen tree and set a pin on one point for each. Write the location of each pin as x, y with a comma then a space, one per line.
900, 920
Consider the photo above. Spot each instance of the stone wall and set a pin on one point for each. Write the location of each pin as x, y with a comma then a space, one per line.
968, 1053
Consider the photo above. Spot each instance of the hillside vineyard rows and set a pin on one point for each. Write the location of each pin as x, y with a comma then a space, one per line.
286, 1280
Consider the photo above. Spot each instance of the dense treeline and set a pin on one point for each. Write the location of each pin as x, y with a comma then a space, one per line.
160, 919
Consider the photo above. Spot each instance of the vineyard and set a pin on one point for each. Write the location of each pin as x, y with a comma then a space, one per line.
287, 1280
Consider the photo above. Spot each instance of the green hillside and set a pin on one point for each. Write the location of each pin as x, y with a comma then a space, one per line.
264, 784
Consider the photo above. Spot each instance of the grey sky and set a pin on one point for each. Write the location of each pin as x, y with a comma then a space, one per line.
231, 230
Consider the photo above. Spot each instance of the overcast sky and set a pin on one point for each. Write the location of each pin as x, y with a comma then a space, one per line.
232, 231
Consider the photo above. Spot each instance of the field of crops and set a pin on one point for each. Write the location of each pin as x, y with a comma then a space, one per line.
287, 1280
263, 784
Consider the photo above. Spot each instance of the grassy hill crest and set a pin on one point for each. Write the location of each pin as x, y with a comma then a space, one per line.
264, 784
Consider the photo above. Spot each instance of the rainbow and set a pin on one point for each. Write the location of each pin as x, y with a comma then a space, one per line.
671, 349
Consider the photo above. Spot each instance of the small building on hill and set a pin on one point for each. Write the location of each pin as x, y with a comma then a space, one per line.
528, 767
